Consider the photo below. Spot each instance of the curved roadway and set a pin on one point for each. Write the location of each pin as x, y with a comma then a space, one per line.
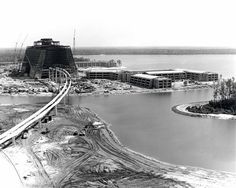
37, 116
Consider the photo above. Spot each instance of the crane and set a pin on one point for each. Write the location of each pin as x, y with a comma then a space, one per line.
19, 54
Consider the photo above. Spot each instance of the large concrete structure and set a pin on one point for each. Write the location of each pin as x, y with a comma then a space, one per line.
103, 73
126, 75
194, 75
203, 76
161, 82
47, 53
172, 74
142, 80
150, 78
149, 81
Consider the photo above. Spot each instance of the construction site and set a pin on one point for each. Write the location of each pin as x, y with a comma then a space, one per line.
61, 145
76, 148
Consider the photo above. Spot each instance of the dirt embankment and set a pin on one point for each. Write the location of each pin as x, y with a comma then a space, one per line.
77, 149
11, 86
83, 87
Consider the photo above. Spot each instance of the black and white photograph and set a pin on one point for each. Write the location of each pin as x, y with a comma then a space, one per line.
118, 94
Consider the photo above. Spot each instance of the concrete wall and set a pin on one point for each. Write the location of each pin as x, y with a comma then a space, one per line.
103, 75
141, 82
161, 83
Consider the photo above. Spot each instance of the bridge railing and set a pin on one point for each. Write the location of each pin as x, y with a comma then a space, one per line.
38, 115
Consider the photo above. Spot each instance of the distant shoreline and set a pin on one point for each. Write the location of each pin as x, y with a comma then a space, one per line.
6, 54
152, 51
138, 51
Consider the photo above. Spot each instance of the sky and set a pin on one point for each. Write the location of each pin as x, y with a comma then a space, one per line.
205, 23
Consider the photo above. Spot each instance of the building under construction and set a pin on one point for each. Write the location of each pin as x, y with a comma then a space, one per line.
47, 53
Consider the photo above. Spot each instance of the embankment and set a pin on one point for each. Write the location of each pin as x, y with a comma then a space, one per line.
77, 152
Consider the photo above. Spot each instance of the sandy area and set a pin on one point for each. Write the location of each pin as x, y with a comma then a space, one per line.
8, 173
80, 149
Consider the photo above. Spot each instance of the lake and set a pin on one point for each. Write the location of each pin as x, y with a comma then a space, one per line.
222, 64
146, 124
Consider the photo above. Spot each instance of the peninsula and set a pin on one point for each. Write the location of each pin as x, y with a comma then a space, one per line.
223, 105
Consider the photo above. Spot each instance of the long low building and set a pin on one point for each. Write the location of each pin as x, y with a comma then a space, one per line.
143, 76
172, 74
110, 74
149, 81
201, 75
126, 75
194, 75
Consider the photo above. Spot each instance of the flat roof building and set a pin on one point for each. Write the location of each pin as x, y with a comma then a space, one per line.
111, 74
162, 82
172, 74
142, 80
149, 81
182, 74
203, 76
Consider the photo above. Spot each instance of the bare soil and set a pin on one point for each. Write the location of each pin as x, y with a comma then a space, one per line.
77, 149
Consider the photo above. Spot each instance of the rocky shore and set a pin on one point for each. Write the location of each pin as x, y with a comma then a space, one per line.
78, 149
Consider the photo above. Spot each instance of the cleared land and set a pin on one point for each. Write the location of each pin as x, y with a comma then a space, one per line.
83, 87
77, 149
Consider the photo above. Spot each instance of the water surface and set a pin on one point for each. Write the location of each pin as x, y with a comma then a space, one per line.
222, 64
145, 123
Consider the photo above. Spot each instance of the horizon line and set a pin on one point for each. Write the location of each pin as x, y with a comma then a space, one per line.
154, 47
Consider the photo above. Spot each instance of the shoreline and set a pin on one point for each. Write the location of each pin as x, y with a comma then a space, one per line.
99, 146
119, 92
181, 109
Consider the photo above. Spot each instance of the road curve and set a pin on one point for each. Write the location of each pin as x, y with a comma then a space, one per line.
27, 123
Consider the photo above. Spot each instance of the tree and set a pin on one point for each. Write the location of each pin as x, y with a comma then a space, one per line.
224, 89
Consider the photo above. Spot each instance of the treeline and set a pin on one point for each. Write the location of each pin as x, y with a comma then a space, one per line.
224, 99
224, 89
8, 55
151, 51
224, 96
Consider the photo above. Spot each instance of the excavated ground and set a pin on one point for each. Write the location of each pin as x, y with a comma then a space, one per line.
77, 149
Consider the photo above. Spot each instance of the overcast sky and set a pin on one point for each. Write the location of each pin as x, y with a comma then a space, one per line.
120, 22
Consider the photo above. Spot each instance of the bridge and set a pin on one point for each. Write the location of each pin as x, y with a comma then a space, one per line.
57, 75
